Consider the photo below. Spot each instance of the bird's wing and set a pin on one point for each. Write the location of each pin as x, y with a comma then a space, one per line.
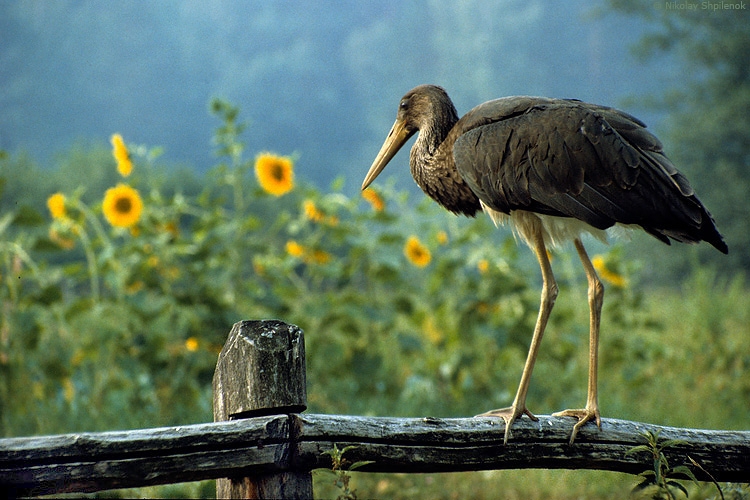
573, 159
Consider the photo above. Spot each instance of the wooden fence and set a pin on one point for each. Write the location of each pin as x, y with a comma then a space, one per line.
262, 446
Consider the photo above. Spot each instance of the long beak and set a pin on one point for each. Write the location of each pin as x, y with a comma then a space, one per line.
397, 137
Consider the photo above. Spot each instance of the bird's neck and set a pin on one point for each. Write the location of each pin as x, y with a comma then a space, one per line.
432, 134
433, 167
425, 159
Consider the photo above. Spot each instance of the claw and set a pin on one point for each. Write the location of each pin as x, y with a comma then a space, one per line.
583, 415
509, 415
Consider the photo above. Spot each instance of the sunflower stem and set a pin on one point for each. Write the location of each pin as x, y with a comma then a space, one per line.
91, 262
98, 228
239, 199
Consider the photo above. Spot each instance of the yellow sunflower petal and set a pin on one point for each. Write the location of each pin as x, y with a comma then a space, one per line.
312, 212
191, 344
120, 152
321, 257
374, 199
416, 252
56, 205
613, 278
294, 249
483, 265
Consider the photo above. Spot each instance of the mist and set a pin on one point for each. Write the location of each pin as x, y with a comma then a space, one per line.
317, 79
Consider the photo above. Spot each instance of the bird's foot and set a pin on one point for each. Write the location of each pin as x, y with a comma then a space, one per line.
510, 415
583, 415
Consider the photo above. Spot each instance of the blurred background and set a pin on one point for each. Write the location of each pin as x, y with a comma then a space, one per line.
119, 327
314, 77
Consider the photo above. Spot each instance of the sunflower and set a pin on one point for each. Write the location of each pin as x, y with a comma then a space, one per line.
418, 254
294, 249
483, 265
274, 173
191, 344
312, 212
122, 206
616, 279
308, 255
120, 152
56, 205
320, 257
374, 199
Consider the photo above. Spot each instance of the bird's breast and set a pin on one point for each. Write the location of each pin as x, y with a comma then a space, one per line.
442, 182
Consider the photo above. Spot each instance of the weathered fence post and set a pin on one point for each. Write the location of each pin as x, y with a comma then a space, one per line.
261, 371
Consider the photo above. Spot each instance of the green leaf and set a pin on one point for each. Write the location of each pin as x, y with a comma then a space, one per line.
685, 470
49, 295
46, 245
361, 463
642, 448
670, 443
642, 485
6, 220
28, 216
675, 484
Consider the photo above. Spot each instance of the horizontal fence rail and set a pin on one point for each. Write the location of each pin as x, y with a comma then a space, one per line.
256, 446
261, 445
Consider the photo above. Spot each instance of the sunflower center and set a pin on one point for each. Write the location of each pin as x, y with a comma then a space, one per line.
277, 172
123, 205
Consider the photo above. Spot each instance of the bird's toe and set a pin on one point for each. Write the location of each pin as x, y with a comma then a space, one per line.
583, 415
509, 415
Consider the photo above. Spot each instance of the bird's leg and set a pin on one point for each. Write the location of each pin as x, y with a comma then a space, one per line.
549, 294
596, 299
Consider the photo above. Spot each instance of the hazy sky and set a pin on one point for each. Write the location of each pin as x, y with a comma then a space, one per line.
321, 79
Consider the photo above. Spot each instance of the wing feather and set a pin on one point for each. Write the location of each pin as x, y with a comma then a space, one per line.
572, 159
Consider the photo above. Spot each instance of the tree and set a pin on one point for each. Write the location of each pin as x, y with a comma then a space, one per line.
708, 129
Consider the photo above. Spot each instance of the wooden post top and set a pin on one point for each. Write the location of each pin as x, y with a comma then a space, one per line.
260, 371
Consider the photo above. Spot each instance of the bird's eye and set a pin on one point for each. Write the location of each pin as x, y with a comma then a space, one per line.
404, 104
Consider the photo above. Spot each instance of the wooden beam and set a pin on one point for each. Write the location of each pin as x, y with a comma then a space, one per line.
259, 446
91, 462
466, 444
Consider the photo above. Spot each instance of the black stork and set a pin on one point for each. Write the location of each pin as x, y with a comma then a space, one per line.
554, 169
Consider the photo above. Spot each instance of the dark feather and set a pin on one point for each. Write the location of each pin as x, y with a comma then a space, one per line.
572, 159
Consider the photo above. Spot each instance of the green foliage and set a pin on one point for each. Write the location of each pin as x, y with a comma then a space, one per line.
340, 468
658, 482
109, 328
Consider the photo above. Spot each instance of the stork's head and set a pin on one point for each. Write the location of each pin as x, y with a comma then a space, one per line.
421, 108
